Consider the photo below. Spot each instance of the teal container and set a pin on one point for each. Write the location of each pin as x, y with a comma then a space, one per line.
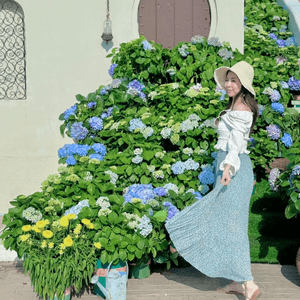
101, 279
254, 187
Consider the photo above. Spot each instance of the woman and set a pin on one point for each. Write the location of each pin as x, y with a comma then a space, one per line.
212, 234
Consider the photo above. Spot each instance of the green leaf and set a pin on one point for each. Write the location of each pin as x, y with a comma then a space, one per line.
131, 248
161, 216
122, 254
91, 189
112, 217
148, 155
294, 196
104, 257
290, 211
145, 179
129, 170
138, 253
140, 244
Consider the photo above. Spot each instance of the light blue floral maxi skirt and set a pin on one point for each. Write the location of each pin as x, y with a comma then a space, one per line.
212, 234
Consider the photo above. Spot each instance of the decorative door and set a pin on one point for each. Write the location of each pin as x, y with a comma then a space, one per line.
169, 22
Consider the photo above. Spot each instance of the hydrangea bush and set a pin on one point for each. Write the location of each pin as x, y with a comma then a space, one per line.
144, 145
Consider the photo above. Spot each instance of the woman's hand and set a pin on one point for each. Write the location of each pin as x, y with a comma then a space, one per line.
226, 176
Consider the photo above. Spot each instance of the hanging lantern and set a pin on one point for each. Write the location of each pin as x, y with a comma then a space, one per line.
107, 27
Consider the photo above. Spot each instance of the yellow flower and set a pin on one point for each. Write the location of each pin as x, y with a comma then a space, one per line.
62, 246
41, 224
86, 222
77, 229
26, 228
91, 226
68, 242
98, 245
51, 245
44, 244
64, 221
24, 237
71, 216
36, 229
47, 222
47, 234
61, 252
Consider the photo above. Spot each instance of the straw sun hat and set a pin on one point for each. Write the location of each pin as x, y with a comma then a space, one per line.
244, 72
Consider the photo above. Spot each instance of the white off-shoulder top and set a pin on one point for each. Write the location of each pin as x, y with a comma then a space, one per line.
233, 130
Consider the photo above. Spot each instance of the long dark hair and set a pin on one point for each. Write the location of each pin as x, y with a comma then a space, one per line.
249, 100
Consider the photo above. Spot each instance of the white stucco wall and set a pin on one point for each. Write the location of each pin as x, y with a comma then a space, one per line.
64, 57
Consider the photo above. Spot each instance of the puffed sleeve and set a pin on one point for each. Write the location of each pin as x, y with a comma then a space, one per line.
240, 122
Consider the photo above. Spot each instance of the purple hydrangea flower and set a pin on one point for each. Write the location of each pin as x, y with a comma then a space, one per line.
78, 131
206, 176
70, 111
294, 84
109, 111
273, 36
71, 160
275, 97
92, 104
96, 123
274, 175
136, 85
160, 191
104, 115
280, 60
172, 210
287, 140
273, 131
278, 107
104, 91
280, 43
111, 70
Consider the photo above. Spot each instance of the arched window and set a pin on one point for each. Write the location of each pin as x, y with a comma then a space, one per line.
12, 51
169, 22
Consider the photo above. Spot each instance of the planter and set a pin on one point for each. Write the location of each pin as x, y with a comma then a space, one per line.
141, 271
101, 271
298, 261
296, 104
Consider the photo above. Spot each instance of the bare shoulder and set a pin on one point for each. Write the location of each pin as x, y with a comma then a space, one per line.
242, 107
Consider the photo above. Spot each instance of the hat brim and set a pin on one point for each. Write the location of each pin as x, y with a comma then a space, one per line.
220, 76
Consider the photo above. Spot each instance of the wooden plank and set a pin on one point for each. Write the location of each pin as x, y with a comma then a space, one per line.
147, 19
165, 23
201, 18
183, 21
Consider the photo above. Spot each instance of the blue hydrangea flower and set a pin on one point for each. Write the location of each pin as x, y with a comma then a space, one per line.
104, 91
252, 142
214, 41
136, 124
190, 164
278, 107
109, 111
183, 50
111, 70
287, 140
92, 104
99, 148
197, 195
273, 131
96, 123
104, 115
284, 85
172, 210
290, 41
273, 36
275, 97
76, 209
62, 152
178, 168
136, 85
295, 172
147, 45
78, 131
160, 191
70, 111
261, 109
294, 84
206, 176
82, 150
144, 192
203, 189
71, 160
280, 43
225, 54
96, 156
